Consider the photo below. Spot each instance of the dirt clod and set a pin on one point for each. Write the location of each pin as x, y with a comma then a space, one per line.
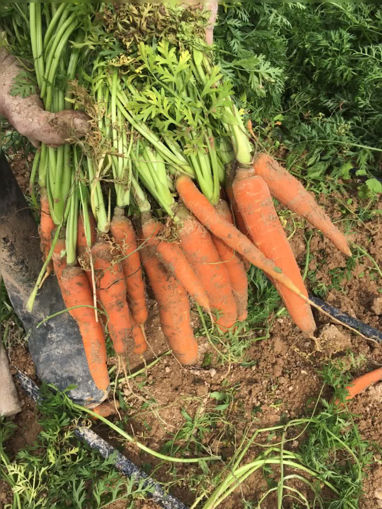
332, 340
377, 305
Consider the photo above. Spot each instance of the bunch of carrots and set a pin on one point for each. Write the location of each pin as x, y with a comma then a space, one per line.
193, 202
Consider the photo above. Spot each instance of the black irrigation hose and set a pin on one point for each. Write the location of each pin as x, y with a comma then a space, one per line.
124, 465
366, 330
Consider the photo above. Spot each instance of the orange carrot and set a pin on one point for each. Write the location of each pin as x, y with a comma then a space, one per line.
290, 192
111, 291
175, 261
236, 271
199, 205
264, 228
204, 258
76, 291
106, 409
124, 235
174, 308
59, 258
46, 227
238, 220
363, 382
139, 339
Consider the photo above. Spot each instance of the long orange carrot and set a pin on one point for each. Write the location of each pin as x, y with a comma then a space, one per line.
290, 192
111, 291
204, 258
264, 228
363, 382
238, 220
124, 235
199, 205
174, 308
236, 271
175, 261
76, 291
46, 227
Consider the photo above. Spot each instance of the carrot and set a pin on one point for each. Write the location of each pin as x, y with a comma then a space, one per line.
236, 271
111, 291
124, 235
76, 291
238, 219
363, 382
175, 261
150, 229
264, 228
174, 308
106, 409
139, 339
83, 249
204, 258
290, 192
59, 258
46, 227
198, 204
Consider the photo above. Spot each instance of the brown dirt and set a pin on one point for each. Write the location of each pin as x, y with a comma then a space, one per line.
281, 382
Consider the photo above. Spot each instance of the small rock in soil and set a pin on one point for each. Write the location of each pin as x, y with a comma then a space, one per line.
280, 346
332, 340
375, 393
377, 305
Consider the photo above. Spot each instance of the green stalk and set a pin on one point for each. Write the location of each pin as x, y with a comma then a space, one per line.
57, 50
139, 196
96, 197
208, 178
56, 46
240, 141
43, 166
40, 278
234, 479
225, 151
141, 446
71, 225
53, 23
32, 179
35, 24
84, 198
152, 172
127, 165
117, 160
216, 168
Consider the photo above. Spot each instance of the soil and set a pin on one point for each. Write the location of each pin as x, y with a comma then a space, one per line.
280, 379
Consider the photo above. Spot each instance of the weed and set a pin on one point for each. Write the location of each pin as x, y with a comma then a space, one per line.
231, 347
56, 464
330, 461
309, 75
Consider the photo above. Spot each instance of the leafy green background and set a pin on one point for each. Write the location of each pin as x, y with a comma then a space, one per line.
309, 75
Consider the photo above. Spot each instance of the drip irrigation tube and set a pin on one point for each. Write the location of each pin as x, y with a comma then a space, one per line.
124, 465
366, 330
